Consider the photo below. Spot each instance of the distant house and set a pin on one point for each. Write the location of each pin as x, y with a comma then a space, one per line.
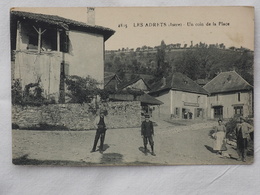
230, 95
47, 48
136, 84
111, 81
182, 98
135, 90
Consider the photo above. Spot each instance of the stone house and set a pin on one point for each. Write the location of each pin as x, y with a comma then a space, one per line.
182, 98
230, 96
47, 48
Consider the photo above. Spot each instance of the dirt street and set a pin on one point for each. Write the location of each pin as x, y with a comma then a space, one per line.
174, 145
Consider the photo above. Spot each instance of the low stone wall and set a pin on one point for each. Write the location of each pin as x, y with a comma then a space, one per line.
77, 116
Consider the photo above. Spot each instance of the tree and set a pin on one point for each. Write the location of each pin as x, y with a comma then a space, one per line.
82, 90
162, 64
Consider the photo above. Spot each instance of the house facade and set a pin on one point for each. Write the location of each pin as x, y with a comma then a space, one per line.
47, 48
230, 96
182, 98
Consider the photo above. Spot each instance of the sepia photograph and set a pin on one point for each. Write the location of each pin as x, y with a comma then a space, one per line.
132, 86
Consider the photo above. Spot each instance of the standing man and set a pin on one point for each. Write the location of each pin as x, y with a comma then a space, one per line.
147, 133
242, 133
100, 125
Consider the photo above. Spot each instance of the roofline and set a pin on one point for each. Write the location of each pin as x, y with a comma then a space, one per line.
115, 75
239, 90
244, 79
132, 82
228, 72
72, 24
170, 88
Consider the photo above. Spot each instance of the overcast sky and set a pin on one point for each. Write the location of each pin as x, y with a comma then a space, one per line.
236, 29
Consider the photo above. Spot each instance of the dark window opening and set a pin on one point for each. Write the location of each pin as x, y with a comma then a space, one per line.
238, 96
238, 110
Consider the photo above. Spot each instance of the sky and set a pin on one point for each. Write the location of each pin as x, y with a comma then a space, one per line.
139, 26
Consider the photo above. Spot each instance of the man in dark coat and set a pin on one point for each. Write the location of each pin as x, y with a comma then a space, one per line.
100, 125
243, 130
147, 133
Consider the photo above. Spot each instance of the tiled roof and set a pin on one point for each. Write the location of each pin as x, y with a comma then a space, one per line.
125, 84
63, 23
179, 82
226, 82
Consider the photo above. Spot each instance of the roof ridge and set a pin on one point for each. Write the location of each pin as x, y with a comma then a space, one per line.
62, 21
239, 82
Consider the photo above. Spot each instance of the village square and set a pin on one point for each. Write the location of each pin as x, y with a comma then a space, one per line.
63, 78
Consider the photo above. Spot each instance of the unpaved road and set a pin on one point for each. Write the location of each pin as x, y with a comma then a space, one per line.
174, 145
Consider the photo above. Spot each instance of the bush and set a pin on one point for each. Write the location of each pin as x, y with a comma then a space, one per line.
32, 94
82, 90
17, 97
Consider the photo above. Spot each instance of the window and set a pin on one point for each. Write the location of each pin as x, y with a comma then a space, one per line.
238, 96
238, 110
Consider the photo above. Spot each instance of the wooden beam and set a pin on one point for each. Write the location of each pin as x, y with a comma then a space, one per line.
18, 35
58, 40
39, 39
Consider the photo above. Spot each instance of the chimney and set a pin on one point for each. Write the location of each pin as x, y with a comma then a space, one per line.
91, 16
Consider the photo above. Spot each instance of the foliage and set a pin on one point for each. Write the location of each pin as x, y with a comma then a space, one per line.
17, 94
81, 89
201, 61
163, 67
84, 90
31, 95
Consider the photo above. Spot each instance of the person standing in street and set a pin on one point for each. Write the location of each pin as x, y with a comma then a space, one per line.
147, 133
220, 136
100, 124
243, 130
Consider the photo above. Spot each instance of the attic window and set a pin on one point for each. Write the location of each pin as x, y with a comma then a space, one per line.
185, 81
229, 78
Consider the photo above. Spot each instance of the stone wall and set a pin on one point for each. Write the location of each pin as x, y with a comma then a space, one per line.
77, 116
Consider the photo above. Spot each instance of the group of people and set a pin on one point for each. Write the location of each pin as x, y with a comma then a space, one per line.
147, 133
242, 132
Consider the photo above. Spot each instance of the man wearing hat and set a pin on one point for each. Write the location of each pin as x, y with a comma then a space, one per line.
100, 124
242, 133
147, 133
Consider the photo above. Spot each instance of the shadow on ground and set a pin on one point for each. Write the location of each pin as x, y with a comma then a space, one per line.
143, 151
24, 160
105, 147
210, 149
107, 159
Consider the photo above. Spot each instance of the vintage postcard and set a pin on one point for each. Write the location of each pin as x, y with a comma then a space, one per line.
132, 85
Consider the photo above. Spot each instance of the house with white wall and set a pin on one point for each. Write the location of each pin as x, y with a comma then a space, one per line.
230, 96
47, 48
181, 97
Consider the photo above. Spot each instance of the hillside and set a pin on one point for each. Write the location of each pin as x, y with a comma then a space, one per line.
196, 62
